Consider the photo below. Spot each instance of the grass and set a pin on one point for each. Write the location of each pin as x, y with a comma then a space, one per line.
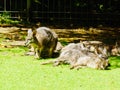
5, 19
19, 72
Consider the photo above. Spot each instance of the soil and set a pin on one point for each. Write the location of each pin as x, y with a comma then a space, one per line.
15, 36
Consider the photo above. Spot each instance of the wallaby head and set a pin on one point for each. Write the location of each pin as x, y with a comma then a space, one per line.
30, 36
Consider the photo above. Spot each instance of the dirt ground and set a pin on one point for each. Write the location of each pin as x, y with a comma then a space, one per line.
15, 36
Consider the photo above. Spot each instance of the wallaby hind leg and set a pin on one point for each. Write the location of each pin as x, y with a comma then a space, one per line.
76, 66
56, 63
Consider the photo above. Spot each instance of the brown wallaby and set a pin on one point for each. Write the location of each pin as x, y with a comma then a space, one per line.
43, 40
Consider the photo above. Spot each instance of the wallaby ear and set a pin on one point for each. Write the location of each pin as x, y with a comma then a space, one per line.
32, 32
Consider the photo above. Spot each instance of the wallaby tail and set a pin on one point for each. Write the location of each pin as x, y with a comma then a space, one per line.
48, 62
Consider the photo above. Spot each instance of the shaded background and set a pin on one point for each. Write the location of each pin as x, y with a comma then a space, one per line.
68, 13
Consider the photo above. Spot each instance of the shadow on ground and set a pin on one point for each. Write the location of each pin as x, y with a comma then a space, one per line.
108, 35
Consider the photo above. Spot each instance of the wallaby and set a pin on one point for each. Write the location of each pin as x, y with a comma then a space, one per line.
43, 40
77, 56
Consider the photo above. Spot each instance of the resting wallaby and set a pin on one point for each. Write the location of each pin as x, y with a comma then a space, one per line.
77, 56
